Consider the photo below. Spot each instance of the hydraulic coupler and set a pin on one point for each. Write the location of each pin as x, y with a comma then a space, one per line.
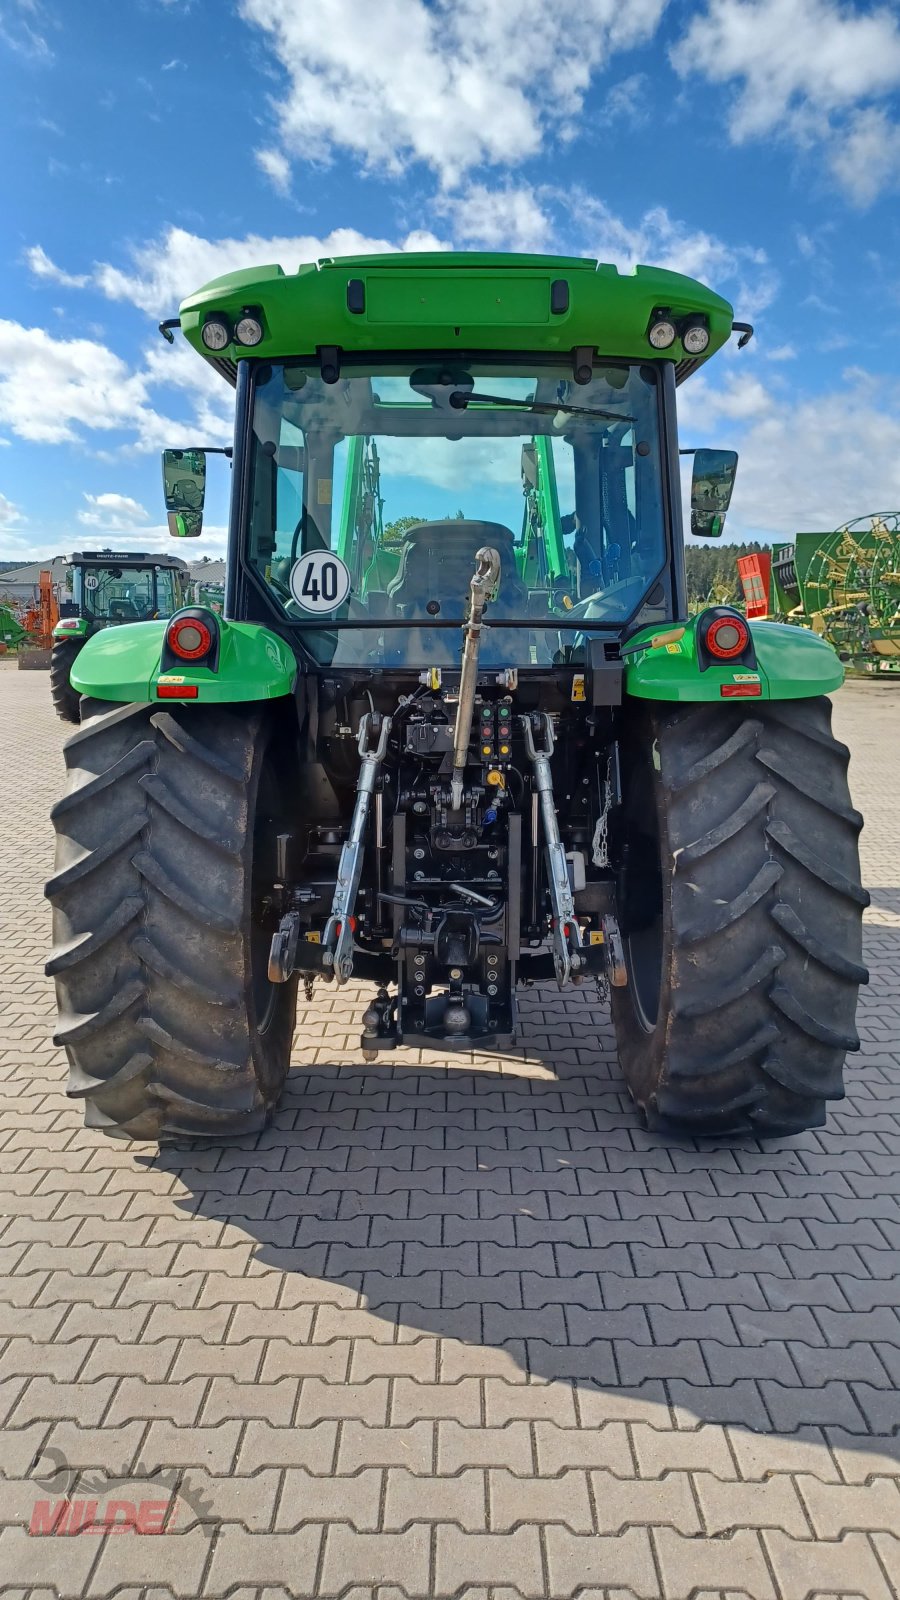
337, 940
567, 957
483, 582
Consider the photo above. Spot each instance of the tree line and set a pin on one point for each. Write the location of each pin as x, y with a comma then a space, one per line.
712, 573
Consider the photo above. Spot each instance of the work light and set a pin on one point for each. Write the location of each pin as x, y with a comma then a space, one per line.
248, 329
694, 336
662, 333
215, 333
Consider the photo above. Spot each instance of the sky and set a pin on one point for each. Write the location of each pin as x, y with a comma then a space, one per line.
150, 145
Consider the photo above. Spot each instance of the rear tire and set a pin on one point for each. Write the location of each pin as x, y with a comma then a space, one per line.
741, 915
66, 700
164, 845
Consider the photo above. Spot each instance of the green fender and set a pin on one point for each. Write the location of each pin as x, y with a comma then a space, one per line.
123, 664
71, 628
792, 664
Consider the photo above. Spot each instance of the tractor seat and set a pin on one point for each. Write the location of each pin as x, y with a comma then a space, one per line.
437, 562
123, 611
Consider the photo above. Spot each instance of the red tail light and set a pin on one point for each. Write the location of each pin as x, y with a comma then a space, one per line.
740, 691
189, 638
727, 637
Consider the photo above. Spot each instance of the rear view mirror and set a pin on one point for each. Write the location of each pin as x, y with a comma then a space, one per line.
184, 487
711, 490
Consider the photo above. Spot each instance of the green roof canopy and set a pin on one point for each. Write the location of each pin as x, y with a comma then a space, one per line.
468, 301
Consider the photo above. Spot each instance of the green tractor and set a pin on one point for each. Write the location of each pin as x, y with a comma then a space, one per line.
454, 730
109, 587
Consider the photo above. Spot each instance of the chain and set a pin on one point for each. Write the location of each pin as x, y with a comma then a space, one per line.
600, 842
308, 981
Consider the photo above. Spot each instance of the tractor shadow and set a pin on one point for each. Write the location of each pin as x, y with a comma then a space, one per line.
521, 1210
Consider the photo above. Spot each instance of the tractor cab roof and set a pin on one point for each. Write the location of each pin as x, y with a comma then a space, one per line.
441, 300
128, 558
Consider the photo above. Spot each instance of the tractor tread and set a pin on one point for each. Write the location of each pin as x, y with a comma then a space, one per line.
703, 767
152, 944
72, 1028
85, 945
66, 700
755, 802
90, 860
834, 960
700, 1002
756, 832
86, 793
187, 745
205, 827
188, 900
81, 1083
787, 1002
788, 770
721, 913
787, 839
212, 995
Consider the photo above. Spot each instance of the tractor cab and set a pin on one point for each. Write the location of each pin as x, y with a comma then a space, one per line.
110, 586
371, 497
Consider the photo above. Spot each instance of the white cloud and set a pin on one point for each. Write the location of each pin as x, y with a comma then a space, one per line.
10, 514
805, 462
866, 159
631, 100
523, 217
57, 391
51, 389
808, 69
498, 219
40, 264
660, 240
166, 269
112, 511
509, 217
454, 83
20, 24
276, 167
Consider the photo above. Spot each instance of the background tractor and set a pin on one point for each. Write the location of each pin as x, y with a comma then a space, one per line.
454, 730
108, 588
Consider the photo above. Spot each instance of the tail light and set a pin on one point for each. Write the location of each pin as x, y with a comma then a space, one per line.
726, 636
189, 638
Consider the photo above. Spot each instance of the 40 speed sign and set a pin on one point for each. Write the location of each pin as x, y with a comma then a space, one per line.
320, 582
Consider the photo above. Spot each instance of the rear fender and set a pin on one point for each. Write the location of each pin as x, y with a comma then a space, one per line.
791, 664
124, 664
71, 628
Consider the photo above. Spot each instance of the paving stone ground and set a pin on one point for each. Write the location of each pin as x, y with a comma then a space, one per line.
449, 1329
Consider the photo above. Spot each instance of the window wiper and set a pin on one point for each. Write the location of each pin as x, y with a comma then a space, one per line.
460, 398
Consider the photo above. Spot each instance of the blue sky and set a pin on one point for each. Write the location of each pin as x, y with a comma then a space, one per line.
150, 144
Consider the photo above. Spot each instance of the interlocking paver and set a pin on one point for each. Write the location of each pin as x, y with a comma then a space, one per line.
410, 1497
844, 1566
453, 1327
